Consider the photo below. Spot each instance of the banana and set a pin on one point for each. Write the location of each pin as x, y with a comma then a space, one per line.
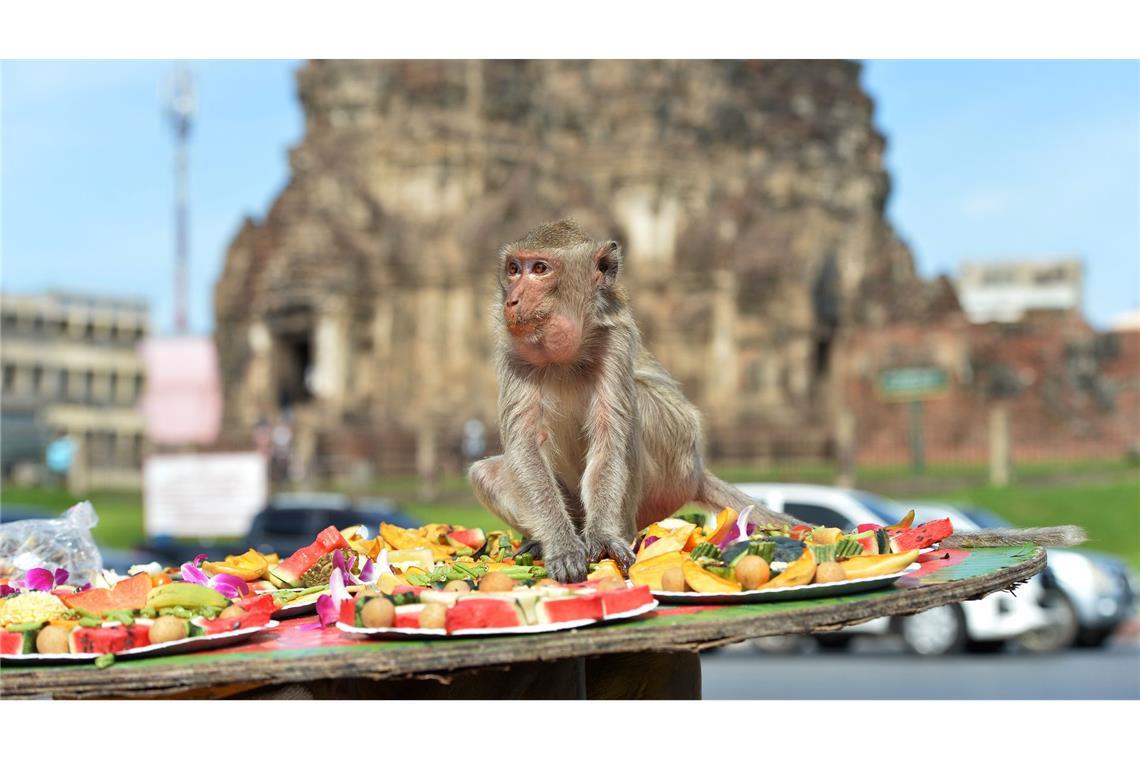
184, 595
875, 564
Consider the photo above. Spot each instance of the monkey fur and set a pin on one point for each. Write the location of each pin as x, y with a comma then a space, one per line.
598, 440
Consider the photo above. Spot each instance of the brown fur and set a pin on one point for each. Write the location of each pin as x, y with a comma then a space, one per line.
598, 439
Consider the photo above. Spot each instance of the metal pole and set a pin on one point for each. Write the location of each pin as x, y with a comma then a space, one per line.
181, 242
180, 109
917, 453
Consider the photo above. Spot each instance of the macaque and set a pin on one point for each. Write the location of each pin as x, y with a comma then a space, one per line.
598, 440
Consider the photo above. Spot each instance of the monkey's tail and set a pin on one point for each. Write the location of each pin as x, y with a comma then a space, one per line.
1060, 535
714, 492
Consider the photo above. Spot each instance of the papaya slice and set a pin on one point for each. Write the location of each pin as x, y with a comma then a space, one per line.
797, 573
673, 541
607, 568
130, 593
699, 579
249, 566
877, 564
648, 572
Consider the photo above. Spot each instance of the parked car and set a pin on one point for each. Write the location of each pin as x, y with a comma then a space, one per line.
290, 521
981, 625
1088, 594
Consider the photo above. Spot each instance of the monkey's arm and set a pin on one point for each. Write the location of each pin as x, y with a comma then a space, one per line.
539, 498
610, 483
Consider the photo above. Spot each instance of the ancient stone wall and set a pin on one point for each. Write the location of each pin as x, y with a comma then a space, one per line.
749, 197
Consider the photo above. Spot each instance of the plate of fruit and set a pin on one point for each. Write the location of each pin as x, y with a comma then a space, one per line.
734, 561
457, 611
131, 619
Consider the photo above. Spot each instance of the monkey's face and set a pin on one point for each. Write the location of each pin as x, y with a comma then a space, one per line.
542, 329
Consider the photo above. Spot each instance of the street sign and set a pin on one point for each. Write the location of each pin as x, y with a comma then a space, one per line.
913, 383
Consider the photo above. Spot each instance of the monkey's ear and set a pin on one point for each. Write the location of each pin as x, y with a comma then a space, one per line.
607, 264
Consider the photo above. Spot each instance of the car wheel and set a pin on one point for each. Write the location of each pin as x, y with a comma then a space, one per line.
834, 642
1094, 638
937, 631
1061, 631
789, 644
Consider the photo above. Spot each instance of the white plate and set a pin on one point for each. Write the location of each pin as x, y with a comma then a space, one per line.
809, 591
182, 646
439, 633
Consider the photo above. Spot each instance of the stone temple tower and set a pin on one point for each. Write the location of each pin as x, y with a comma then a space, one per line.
748, 196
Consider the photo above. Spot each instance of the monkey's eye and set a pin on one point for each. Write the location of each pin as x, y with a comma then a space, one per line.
513, 268
540, 267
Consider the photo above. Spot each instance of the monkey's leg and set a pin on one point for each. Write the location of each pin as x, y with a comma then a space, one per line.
611, 483
547, 525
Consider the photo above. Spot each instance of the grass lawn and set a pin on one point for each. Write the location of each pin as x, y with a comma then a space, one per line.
1102, 497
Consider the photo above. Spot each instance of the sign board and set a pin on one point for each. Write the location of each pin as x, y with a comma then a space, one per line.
192, 495
913, 383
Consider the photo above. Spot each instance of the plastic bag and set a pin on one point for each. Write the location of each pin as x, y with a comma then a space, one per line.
51, 544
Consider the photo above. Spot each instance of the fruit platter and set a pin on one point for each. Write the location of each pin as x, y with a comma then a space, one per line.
55, 622
728, 559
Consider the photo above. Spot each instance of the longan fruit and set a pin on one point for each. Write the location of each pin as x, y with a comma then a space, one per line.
496, 582
433, 615
829, 572
457, 587
232, 611
673, 579
168, 628
545, 582
378, 613
52, 639
752, 572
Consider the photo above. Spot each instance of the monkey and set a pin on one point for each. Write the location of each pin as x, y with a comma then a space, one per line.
598, 439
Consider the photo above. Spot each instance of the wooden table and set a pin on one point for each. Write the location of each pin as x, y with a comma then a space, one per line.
655, 656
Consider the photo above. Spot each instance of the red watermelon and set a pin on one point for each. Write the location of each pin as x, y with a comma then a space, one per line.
923, 536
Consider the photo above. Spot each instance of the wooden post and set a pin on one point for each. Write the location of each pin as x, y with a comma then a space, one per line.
427, 461
845, 448
1001, 459
917, 444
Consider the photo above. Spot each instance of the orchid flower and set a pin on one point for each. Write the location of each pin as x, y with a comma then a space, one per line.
225, 584
328, 605
36, 579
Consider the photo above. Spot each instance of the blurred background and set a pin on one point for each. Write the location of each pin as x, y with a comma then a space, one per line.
252, 297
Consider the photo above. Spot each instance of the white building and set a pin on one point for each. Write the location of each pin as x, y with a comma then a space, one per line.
1008, 290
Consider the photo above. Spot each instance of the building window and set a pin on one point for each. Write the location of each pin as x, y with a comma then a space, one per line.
9, 377
37, 379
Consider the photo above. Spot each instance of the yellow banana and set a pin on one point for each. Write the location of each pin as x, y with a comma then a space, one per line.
184, 595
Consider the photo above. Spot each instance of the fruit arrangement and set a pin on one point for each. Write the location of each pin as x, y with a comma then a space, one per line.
733, 555
135, 612
497, 603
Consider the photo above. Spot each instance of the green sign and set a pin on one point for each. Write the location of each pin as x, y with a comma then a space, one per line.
910, 383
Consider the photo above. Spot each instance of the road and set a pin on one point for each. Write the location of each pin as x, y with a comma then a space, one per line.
739, 673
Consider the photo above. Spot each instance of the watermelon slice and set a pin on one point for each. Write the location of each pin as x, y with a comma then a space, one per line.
584, 607
17, 642
108, 639
480, 613
408, 616
222, 625
290, 571
923, 536
615, 602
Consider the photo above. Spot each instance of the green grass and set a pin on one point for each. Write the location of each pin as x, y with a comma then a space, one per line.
1110, 512
120, 513
1103, 497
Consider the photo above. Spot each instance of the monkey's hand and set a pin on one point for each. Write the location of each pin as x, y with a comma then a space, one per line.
566, 563
600, 545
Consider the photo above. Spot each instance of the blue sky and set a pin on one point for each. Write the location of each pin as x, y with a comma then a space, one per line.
988, 160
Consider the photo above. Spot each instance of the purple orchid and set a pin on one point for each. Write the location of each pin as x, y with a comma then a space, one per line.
37, 579
368, 574
225, 584
328, 605
741, 530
